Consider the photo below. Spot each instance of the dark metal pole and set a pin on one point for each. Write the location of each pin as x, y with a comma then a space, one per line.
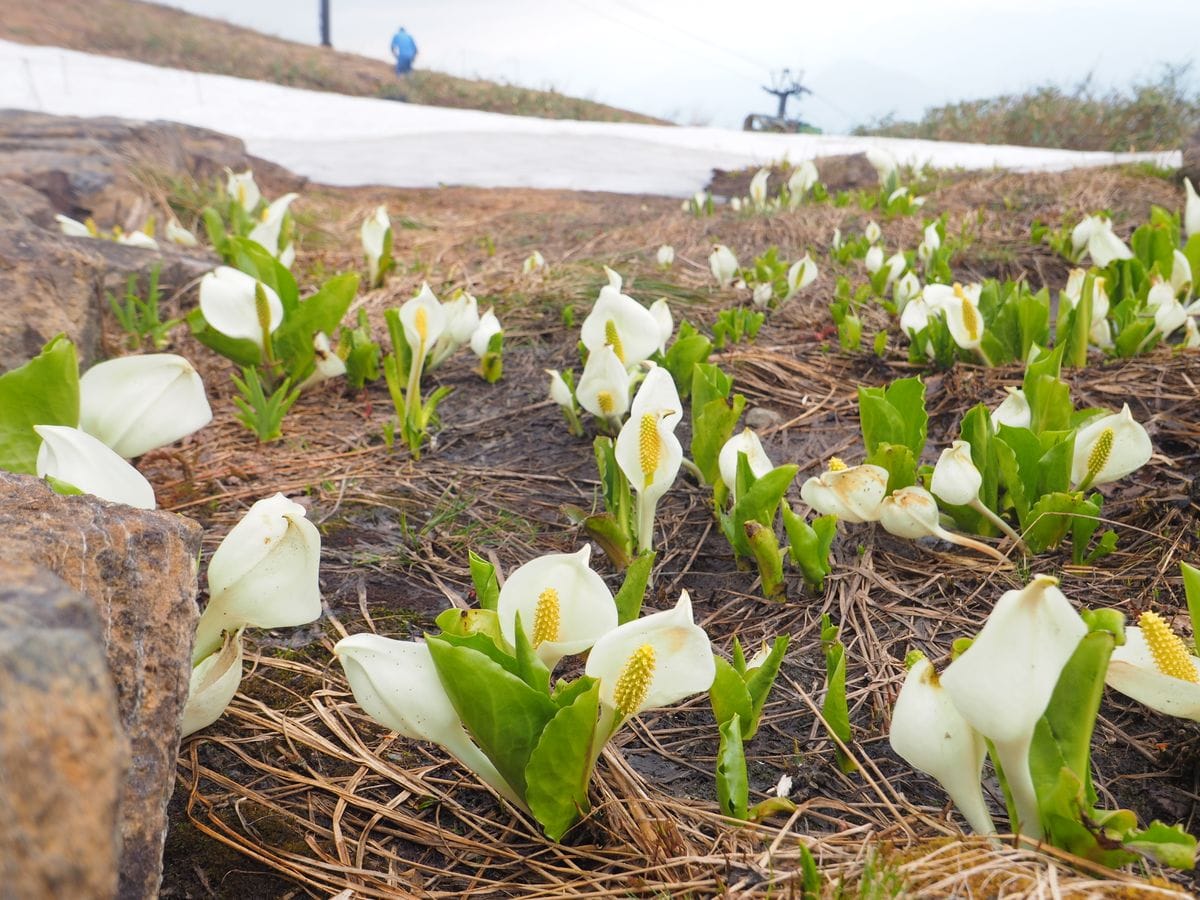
325, 42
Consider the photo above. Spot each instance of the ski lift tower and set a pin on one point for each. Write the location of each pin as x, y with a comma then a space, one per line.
783, 87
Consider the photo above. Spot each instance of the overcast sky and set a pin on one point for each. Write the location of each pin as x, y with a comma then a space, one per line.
703, 61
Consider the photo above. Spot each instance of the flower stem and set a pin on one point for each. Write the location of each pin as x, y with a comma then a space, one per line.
645, 521
1014, 760
412, 398
963, 541
996, 520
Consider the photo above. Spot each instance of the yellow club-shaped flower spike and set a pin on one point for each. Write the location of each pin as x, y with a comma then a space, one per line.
1108, 448
622, 323
852, 493
603, 388
564, 606
263, 575
653, 661
397, 685
1003, 682
1155, 667
931, 735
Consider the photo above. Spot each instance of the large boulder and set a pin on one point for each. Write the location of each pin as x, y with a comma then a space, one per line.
1191, 159
139, 569
63, 753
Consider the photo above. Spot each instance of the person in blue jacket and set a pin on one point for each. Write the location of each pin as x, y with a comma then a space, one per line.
404, 48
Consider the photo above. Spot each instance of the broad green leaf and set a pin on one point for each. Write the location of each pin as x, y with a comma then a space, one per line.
757, 502
1168, 845
711, 428
321, 313
834, 709
530, 668
733, 787
503, 714
463, 622
1191, 590
772, 806
764, 547
483, 576
615, 541
728, 694
633, 589
560, 765
809, 545
44, 391
245, 353
1050, 520
254, 260
899, 461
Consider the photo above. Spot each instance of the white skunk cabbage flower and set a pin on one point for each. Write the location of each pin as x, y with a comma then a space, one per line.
263, 574
560, 391
488, 328
1107, 448
534, 262
1191, 209
424, 320
896, 264
397, 685
241, 187
804, 176
649, 455
213, 683
758, 188
1095, 235
761, 297
800, 275
622, 323
137, 239
883, 161
229, 302
873, 233
374, 234
74, 457
135, 404
747, 442
266, 232
177, 234
960, 305
931, 242
564, 606
874, 259
907, 288
1013, 410
1181, 275
657, 394
327, 364
1155, 668
653, 661
912, 512
724, 265
931, 735
1003, 682
853, 494
956, 480
72, 227
665, 256
661, 310
603, 388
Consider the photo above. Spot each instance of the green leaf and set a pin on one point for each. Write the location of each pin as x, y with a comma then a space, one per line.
1191, 590
809, 545
899, 461
764, 547
322, 312
633, 589
242, 351
615, 541
688, 349
483, 576
733, 787
253, 259
760, 680
560, 765
894, 415
811, 880
464, 622
503, 714
834, 709
728, 694
757, 503
44, 391
530, 668
1168, 845
711, 428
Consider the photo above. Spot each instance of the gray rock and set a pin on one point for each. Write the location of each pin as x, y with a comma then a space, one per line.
139, 569
63, 753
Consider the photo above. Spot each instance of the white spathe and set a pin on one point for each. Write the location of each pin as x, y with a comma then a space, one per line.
137, 239
241, 187
397, 684
665, 256
488, 328
620, 321
424, 319
264, 574
761, 297
73, 227
560, 391
758, 188
603, 388
1191, 209
661, 310
882, 161
956, 480
853, 494
213, 683
657, 394
135, 404
177, 234
800, 275
228, 303
723, 264
653, 661
266, 232
1003, 682
1013, 410
563, 605
931, 735
874, 259
74, 457
326, 362
746, 441
374, 238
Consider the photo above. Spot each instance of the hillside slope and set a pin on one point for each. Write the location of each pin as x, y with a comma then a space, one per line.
154, 34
